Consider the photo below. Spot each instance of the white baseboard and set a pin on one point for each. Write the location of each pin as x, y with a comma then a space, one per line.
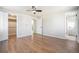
23, 36
61, 37
3, 39
71, 38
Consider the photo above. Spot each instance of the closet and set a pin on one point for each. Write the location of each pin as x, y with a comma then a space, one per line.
11, 33
11, 25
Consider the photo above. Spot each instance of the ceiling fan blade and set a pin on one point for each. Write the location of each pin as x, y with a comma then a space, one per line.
34, 9
29, 10
38, 10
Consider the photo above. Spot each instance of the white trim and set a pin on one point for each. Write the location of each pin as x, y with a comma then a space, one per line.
62, 37
3, 39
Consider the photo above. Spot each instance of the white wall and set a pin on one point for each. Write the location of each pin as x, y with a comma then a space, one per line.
54, 24
3, 26
24, 25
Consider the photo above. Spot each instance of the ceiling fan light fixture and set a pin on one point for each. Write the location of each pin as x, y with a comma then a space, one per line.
34, 12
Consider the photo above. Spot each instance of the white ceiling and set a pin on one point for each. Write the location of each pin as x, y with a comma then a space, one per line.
46, 9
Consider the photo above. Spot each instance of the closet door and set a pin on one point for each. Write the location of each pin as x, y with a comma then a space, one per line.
24, 26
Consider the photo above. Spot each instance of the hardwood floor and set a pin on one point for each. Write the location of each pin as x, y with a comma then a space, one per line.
39, 44
3, 46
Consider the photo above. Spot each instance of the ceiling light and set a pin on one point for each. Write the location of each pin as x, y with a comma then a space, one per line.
34, 12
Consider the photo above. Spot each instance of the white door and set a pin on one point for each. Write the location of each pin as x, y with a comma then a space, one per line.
24, 25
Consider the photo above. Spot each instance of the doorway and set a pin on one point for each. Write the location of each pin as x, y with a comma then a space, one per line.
37, 28
11, 32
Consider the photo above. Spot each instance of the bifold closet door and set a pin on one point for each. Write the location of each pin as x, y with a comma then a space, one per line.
23, 33
24, 26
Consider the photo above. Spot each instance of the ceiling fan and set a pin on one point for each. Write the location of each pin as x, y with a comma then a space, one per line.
34, 10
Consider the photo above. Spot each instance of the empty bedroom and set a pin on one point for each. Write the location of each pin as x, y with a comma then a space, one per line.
39, 29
